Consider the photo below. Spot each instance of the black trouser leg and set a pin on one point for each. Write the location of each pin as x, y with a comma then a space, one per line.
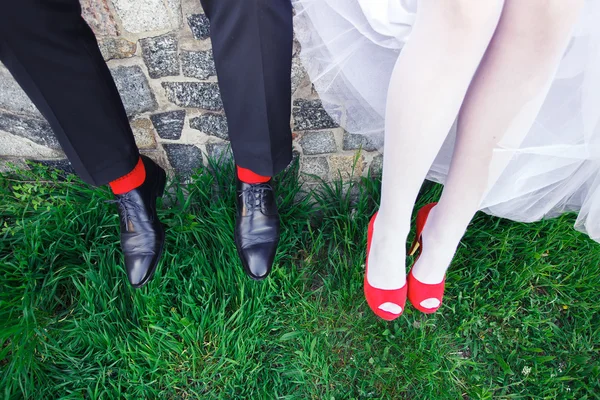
53, 55
252, 47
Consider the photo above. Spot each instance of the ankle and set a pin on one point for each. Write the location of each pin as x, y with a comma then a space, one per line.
130, 181
440, 230
447, 239
435, 258
247, 176
393, 223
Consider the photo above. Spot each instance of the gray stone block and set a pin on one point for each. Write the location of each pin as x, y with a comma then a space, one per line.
295, 161
116, 48
219, 152
14, 146
62, 165
376, 166
38, 131
135, 92
169, 124
160, 55
139, 16
99, 17
175, 13
318, 143
198, 64
199, 25
12, 165
143, 133
355, 142
317, 166
310, 115
211, 124
184, 158
203, 95
13, 98
299, 74
346, 166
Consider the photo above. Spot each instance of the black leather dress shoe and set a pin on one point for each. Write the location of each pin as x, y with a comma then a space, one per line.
142, 234
256, 228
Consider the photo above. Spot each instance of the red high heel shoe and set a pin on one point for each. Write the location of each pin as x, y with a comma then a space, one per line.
377, 297
417, 290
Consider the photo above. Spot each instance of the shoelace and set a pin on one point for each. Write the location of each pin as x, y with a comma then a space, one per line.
126, 207
254, 195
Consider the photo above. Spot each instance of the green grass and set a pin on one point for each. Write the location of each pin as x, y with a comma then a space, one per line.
520, 317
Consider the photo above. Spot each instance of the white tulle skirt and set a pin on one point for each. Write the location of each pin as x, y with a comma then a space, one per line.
349, 49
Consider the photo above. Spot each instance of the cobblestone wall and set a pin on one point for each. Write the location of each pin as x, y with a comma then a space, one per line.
160, 55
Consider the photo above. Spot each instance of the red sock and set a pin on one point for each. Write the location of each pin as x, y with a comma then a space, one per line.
247, 176
132, 180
